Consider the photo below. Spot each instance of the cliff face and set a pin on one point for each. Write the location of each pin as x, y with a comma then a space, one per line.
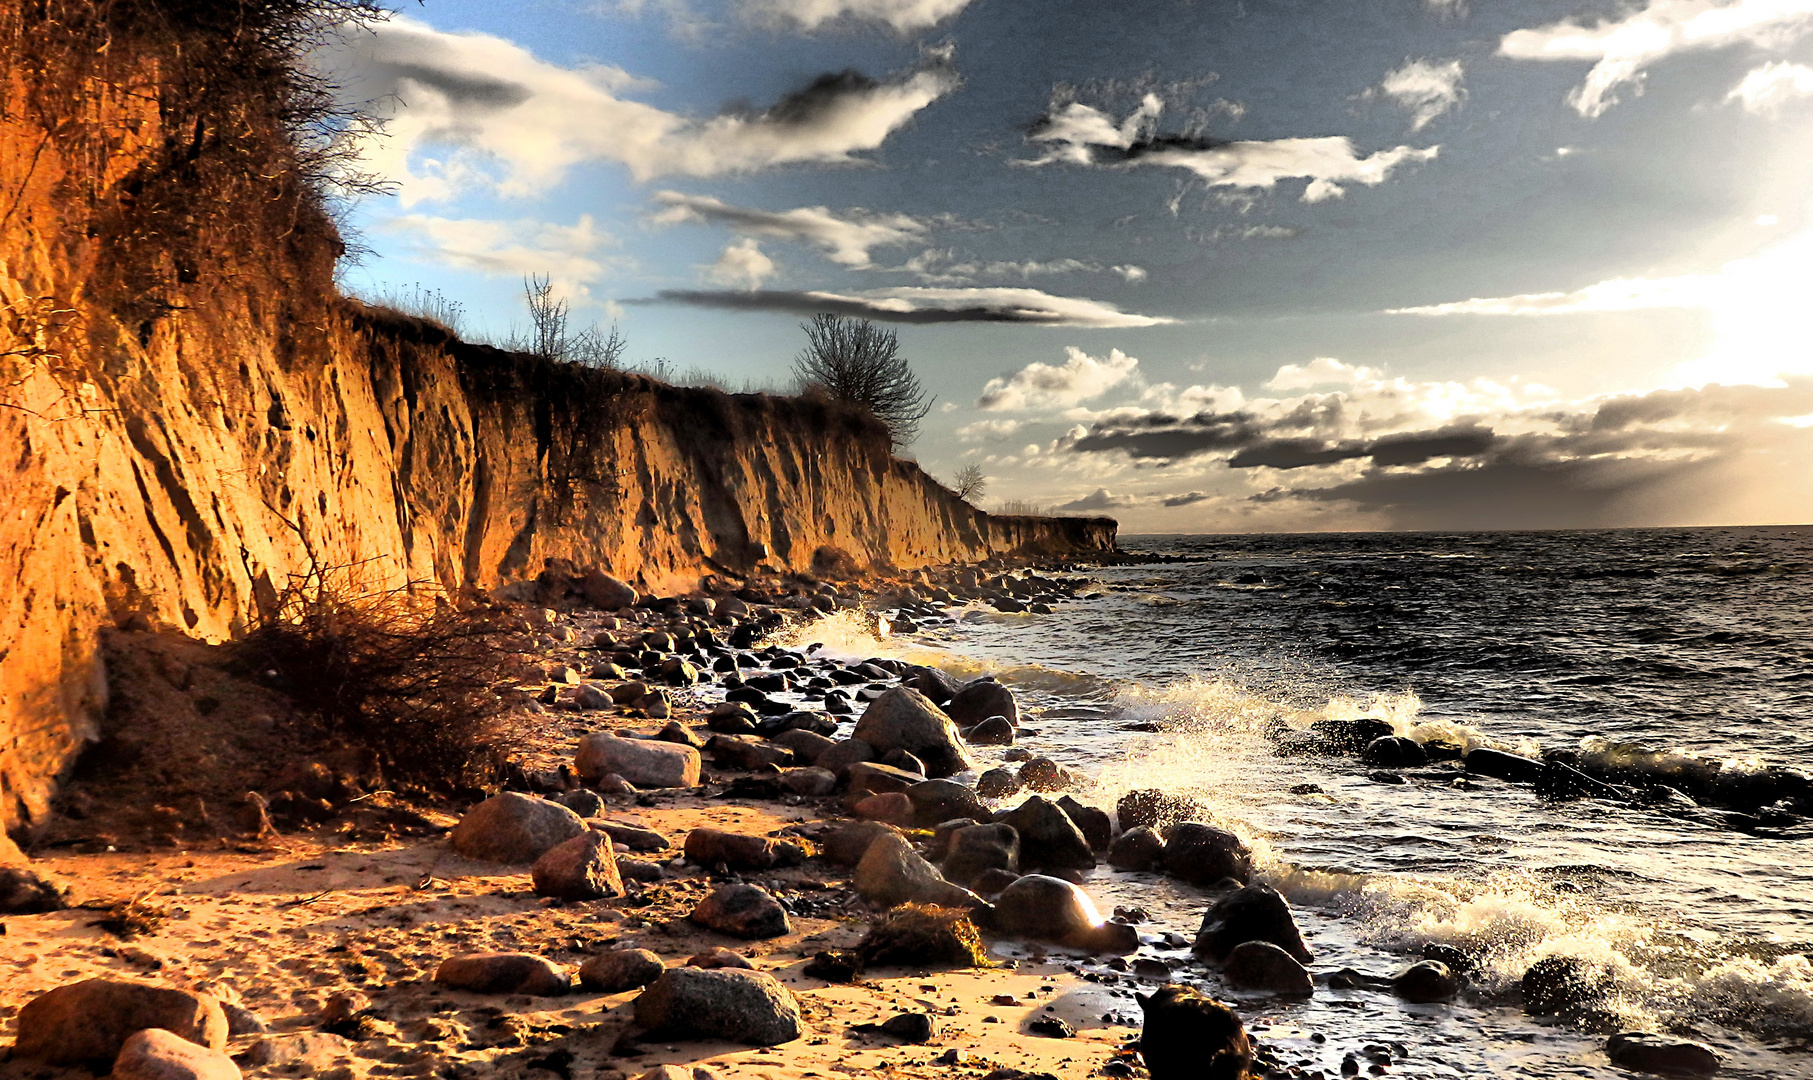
189, 418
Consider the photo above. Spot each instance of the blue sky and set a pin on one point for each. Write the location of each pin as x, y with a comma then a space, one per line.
1203, 266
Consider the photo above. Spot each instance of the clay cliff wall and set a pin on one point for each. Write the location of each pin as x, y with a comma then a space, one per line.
190, 416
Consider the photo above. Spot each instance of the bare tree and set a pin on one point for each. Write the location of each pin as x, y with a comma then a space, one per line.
969, 483
547, 318
594, 348
856, 361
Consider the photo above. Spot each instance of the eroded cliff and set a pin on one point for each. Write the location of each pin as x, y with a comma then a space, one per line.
190, 416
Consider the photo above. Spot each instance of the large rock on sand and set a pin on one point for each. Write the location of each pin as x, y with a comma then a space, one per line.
619, 970
744, 911
646, 763
90, 1021
892, 873
503, 973
740, 851
27, 890
515, 828
903, 719
1255, 913
156, 1054
1048, 838
1050, 909
583, 868
749, 1007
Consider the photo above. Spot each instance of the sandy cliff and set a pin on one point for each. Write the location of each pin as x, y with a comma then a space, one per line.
189, 415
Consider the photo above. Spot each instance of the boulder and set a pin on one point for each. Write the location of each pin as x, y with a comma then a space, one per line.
503, 973
976, 849
1260, 965
1425, 982
807, 746
842, 755
1187, 1036
1349, 736
1048, 838
1049, 909
980, 700
905, 762
850, 843
749, 1007
994, 731
634, 837
1152, 807
646, 763
26, 890
1254, 913
874, 778
620, 969
941, 800
1096, 826
937, 687
903, 719
892, 873
605, 592
590, 696
744, 911
1137, 849
740, 851
582, 802
156, 1054
1497, 763
811, 782
747, 753
1642, 1052
91, 1020
731, 718
1562, 984
1394, 752
893, 807
514, 828
583, 868
1203, 854
997, 783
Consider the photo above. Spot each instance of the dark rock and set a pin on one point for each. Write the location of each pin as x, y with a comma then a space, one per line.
941, 800
997, 783
1260, 965
980, 700
994, 731
749, 1007
892, 873
979, 848
810, 782
1095, 824
1254, 913
1151, 807
902, 719
1497, 763
582, 802
514, 828
937, 687
1049, 1027
993, 882
605, 592
841, 756
807, 746
1137, 849
893, 807
583, 868
1425, 982
744, 911
1187, 1036
620, 969
850, 843
905, 762
503, 973
834, 965
1563, 985
1203, 854
940, 844
90, 1021
738, 851
874, 778
730, 718
634, 837
909, 1027
1394, 752
27, 890
1350, 736
1044, 774
1048, 838
1048, 909
1642, 1052
638, 869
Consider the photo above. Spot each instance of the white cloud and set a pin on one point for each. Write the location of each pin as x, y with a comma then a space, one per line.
1077, 379
1623, 49
846, 240
1425, 89
741, 266
1078, 134
989, 430
506, 248
902, 15
1133, 274
1767, 88
941, 267
471, 109
1322, 371
1617, 294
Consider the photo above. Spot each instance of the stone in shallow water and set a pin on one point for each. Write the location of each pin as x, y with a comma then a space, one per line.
1254, 913
1260, 965
1643, 1052
1203, 854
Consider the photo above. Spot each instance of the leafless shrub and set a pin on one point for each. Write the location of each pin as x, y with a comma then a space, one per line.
855, 361
969, 483
552, 337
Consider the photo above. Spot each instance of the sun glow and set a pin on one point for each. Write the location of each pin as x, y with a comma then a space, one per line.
1761, 320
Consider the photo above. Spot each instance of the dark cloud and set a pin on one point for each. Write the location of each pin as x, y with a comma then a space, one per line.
820, 99
1157, 435
1187, 498
918, 306
460, 87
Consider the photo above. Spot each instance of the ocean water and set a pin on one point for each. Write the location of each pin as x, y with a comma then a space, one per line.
1665, 650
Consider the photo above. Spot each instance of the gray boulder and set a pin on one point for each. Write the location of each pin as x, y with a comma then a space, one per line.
903, 719
1048, 838
620, 969
156, 1054
583, 868
1260, 965
977, 849
941, 800
1050, 909
749, 1007
980, 700
892, 873
744, 911
515, 828
91, 1020
646, 763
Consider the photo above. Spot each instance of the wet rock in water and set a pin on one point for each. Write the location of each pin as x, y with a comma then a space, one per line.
994, 731
849, 843
156, 1054
718, 958
514, 828
1044, 774
503, 973
811, 782
90, 1021
874, 778
1443, 750
892, 873
1260, 965
843, 755
646, 763
1048, 838
941, 800
583, 868
1254, 913
744, 911
1137, 849
749, 1007
27, 890
903, 719
807, 746
1643, 1052
977, 849
980, 700
1394, 752
1349, 736
582, 802
1095, 824
894, 808
1188, 1036
1045, 908
619, 970
739, 851
997, 783
1426, 982
1564, 985
605, 592
1497, 763
1203, 854
937, 687
1383, 776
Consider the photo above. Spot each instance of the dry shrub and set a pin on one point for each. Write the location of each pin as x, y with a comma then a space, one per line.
924, 936
419, 684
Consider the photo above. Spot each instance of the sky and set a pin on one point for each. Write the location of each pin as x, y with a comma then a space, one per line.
1241, 265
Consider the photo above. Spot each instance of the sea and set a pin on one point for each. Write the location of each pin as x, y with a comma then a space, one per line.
1667, 650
